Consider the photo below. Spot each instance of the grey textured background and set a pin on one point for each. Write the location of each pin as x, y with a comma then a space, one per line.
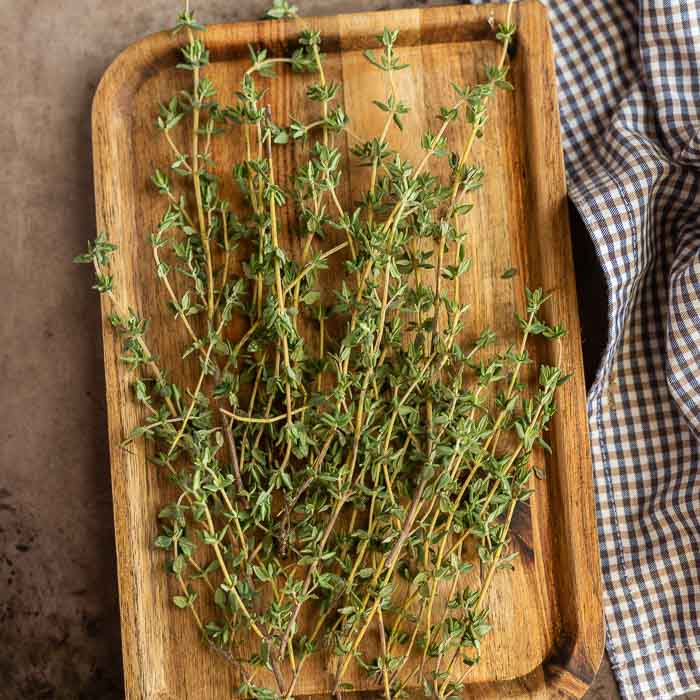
59, 627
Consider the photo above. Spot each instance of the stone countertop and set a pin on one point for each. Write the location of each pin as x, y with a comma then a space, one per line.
59, 627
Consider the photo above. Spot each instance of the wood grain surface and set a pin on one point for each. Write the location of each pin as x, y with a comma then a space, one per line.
547, 639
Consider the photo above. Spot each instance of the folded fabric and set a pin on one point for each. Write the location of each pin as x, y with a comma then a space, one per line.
629, 92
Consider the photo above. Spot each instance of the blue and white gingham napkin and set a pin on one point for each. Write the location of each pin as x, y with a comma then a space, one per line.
629, 92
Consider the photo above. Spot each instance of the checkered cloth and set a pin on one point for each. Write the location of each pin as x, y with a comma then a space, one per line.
629, 91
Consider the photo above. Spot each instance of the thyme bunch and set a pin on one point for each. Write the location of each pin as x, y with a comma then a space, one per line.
334, 462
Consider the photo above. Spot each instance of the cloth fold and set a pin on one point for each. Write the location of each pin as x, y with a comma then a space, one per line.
629, 93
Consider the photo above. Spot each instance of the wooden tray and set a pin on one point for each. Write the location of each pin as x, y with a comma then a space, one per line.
548, 629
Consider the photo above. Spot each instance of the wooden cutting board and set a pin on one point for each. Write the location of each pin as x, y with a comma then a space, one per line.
547, 639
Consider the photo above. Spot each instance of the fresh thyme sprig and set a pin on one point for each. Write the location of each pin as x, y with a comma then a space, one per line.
332, 462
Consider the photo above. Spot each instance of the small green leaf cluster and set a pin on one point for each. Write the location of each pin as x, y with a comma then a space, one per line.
281, 9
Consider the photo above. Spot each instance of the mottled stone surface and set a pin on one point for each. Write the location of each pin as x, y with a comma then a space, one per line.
59, 629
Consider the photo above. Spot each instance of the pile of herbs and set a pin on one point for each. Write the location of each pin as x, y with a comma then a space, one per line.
337, 461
